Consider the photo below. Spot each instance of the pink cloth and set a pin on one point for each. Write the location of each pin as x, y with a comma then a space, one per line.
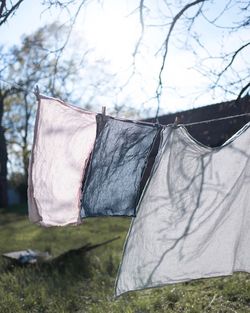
63, 140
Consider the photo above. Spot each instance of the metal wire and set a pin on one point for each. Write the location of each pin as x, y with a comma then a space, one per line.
215, 119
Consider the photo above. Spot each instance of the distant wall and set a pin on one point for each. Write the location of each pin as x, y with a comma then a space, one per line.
215, 133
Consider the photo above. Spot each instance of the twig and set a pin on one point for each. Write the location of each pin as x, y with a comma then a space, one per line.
241, 92
5, 16
231, 61
211, 302
142, 28
166, 43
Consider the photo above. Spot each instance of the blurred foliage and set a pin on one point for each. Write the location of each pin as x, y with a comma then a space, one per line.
40, 59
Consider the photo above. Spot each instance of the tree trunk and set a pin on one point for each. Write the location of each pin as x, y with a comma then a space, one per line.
25, 152
3, 161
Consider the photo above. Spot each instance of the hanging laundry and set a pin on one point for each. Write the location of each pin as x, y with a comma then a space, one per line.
193, 219
119, 158
63, 140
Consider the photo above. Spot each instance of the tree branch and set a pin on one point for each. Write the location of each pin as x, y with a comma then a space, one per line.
242, 92
231, 61
142, 27
166, 43
5, 15
3, 5
60, 50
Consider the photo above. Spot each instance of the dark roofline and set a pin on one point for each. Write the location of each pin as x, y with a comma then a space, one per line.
206, 112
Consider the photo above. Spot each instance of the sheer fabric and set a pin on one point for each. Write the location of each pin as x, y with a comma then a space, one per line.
193, 220
119, 158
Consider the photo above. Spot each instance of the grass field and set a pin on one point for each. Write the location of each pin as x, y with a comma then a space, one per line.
84, 281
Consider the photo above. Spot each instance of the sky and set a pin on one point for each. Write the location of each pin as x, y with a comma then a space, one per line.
111, 28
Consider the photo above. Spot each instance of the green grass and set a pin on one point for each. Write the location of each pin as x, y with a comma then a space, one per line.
84, 282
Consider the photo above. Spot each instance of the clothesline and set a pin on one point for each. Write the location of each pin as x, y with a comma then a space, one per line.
214, 120
191, 212
176, 124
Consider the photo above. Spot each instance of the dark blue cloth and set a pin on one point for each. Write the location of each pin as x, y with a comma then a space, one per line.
119, 158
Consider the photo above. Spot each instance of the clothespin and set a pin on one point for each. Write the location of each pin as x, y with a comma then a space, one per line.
37, 93
157, 121
176, 121
103, 111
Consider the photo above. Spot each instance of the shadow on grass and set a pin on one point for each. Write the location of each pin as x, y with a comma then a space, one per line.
67, 283
72, 263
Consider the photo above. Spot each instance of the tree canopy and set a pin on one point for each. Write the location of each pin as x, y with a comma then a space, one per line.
37, 61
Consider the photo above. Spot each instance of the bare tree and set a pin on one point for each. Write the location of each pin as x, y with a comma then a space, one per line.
178, 20
5, 93
3, 154
36, 62
179, 24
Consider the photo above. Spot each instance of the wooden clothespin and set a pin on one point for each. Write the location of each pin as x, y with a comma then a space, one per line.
103, 111
176, 121
103, 114
37, 93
